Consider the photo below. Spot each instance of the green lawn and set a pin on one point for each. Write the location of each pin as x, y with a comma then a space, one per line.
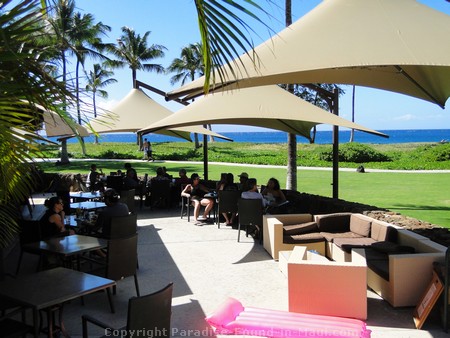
422, 196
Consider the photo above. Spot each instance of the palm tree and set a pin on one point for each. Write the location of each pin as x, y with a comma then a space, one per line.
132, 50
87, 42
97, 79
186, 67
25, 83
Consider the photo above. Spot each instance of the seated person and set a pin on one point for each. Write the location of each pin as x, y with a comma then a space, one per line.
273, 194
196, 191
131, 172
160, 175
130, 180
52, 223
243, 177
94, 179
252, 192
182, 179
113, 208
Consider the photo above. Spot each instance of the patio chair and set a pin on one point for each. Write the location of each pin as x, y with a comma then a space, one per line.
141, 190
160, 194
121, 261
120, 227
186, 204
30, 231
127, 197
250, 214
151, 312
11, 327
227, 202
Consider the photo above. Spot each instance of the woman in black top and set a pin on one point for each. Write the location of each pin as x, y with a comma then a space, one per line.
196, 191
52, 223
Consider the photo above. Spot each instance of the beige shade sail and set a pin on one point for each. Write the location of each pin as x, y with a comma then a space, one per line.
137, 110
266, 106
55, 126
400, 46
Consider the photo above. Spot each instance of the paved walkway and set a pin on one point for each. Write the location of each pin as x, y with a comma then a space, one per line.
207, 265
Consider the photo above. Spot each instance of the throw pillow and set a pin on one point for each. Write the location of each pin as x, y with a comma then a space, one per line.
300, 229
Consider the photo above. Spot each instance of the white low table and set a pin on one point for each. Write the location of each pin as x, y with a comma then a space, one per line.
297, 255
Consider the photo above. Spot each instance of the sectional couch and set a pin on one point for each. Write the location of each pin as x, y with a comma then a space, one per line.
399, 262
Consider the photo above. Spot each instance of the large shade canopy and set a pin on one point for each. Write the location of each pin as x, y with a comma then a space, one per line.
55, 126
265, 106
137, 110
400, 46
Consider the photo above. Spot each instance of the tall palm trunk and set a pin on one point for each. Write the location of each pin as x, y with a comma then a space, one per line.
291, 180
64, 153
77, 90
352, 132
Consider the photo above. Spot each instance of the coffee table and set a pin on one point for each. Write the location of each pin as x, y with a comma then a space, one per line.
48, 290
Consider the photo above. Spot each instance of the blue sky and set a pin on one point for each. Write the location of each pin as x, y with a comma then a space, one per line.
173, 24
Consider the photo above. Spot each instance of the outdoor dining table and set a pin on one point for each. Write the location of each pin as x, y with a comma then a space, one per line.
48, 290
87, 205
79, 196
66, 247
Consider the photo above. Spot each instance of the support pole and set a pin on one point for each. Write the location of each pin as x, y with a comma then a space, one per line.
335, 111
205, 156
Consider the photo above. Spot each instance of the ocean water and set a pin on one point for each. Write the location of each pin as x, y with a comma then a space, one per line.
322, 137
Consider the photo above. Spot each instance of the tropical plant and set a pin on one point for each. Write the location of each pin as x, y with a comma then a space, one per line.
223, 37
26, 90
132, 50
186, 67
99, 78
87, 42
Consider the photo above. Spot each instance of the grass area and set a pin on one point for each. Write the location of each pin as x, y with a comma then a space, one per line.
410, 156
419, 195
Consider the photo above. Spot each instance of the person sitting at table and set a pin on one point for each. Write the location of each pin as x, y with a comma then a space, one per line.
130, 180
113, 208
182, 178
272, 192
196, 191
243, 177
94, 179
160, 175
252, 192
52, 223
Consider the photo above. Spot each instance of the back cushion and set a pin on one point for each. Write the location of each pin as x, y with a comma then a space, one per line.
299, 229
360, 226
381, 232
339, 222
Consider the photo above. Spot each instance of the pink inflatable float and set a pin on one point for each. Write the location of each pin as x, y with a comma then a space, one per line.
232, 318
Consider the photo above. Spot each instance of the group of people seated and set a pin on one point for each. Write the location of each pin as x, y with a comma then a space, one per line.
53, 221
271, 196
96, 180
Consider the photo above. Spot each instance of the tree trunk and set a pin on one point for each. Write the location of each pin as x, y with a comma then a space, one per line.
64, 153
291, 180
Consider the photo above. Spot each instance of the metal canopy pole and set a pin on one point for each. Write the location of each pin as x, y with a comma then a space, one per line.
332, 99
335, 111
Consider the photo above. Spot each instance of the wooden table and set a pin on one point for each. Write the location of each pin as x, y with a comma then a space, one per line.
66, 247
48, 290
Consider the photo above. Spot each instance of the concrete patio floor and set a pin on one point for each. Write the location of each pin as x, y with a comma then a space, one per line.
207, 265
